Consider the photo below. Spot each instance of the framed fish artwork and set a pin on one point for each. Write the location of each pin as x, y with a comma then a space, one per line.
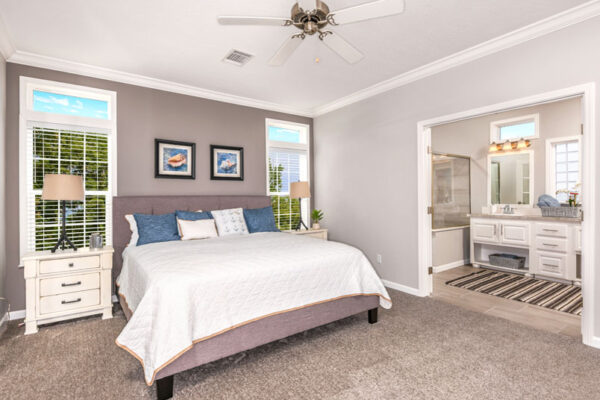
226, 163
174, 159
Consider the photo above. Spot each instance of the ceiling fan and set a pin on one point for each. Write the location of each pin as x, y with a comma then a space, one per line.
314, 17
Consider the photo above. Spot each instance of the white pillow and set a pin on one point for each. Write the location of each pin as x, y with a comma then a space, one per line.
134, 231
230, 222
200, 229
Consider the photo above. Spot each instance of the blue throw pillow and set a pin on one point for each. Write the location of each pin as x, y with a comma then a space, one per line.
260, 220
156, 228
192, 215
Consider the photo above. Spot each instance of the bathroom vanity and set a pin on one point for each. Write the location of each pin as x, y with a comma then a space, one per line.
550, 245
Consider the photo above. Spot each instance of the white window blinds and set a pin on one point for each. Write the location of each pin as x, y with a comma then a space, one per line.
286, 166
62, 149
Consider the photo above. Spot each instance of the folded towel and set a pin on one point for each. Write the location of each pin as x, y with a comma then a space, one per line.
546, 200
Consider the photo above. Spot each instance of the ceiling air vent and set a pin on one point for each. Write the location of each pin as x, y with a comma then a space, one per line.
237, 57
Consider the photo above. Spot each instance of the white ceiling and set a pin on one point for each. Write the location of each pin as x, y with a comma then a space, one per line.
180, 41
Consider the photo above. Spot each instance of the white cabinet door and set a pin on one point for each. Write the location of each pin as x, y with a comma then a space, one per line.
484, 231
515, 233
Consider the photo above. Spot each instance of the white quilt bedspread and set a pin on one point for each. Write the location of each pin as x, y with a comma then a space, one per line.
184, 291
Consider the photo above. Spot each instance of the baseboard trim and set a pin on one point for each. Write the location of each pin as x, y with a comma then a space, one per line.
402, 288
445, 267
14, 315
594, 342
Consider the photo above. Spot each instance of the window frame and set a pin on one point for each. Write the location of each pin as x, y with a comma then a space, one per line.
496, 125
28, 115
551, 161
306, 203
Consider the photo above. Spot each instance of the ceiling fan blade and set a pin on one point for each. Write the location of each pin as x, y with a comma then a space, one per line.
233, 20
286, 50
363, 12
344, 49
307, 5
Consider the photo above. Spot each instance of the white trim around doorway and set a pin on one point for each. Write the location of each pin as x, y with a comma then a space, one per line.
588, 93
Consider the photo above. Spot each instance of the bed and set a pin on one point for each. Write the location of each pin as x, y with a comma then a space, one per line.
192, 302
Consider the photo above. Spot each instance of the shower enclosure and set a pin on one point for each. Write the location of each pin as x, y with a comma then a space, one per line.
450, 190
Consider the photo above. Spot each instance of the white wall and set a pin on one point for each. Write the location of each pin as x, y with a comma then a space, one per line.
2, 175
366, 153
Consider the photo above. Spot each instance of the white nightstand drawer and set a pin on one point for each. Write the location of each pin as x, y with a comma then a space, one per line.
544, 229
68, 284
69, 301
552, 244
69, 264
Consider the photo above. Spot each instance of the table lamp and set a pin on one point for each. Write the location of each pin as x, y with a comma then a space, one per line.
63, 188
300, 190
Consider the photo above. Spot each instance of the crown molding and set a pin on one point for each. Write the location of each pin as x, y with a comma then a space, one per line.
36, 60
543, 27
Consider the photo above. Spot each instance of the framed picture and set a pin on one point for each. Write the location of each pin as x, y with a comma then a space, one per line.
174, 159
226, 163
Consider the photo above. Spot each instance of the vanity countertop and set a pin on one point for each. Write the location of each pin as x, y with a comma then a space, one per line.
527, 217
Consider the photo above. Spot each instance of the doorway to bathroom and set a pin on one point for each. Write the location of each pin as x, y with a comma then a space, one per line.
516, 152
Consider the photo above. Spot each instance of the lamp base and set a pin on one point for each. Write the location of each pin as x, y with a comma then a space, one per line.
61, 243
300, 225
63, 233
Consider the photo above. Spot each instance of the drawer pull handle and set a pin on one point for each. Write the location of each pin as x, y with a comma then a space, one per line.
551, 230
71, 264
70, 284
550, 244
71, 301
550, 265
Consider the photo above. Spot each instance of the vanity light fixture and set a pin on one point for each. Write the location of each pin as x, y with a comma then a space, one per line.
509, 146
523, 144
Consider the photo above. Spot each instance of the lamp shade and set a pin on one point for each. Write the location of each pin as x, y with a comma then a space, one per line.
62, 187
299, 190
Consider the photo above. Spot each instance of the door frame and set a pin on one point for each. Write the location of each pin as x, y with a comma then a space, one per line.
588, 254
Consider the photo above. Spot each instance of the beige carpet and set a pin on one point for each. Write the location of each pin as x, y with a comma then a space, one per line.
421, 349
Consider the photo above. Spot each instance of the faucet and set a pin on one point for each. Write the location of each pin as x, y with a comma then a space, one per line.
508, 209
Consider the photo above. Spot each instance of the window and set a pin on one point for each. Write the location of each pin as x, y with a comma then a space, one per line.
526, 127
66, 129
287, 161
563, 166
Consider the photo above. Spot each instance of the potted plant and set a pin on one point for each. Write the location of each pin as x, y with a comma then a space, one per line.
317, 216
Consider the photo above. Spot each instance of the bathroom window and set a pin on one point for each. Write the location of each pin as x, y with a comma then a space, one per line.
564, 167
525, 127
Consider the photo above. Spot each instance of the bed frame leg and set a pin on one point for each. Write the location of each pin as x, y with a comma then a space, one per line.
373, 315
164, 388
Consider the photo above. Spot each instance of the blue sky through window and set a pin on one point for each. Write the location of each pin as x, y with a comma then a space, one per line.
284, 135
57, 103
517, 131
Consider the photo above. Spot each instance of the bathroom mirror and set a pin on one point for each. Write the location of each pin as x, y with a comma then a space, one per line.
510, 178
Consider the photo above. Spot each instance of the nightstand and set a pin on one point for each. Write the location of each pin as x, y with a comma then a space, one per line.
67, 284
316, 233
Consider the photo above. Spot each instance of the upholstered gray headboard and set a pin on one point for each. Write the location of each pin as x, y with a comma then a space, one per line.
123, 205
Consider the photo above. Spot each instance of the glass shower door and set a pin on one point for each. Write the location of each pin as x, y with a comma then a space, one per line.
451, 190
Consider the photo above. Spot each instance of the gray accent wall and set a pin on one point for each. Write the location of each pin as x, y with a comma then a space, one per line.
366, 153
2, 176
142, 115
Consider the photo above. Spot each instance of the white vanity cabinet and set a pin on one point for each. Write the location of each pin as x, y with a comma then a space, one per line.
549, 245
500, 232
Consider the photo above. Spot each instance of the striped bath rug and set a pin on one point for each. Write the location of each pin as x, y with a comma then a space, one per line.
553, 295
